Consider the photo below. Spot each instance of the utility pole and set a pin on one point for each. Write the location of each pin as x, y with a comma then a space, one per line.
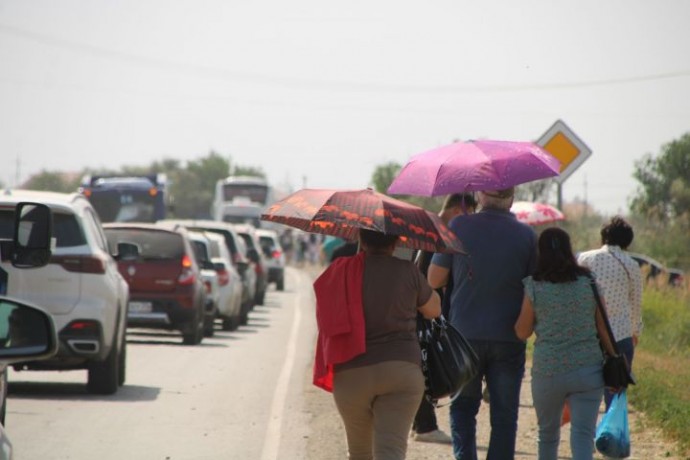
585, 194
17, 171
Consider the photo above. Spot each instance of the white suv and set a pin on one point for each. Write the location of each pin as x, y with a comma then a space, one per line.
80, 287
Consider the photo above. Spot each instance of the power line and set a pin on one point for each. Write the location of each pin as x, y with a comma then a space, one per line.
314, 84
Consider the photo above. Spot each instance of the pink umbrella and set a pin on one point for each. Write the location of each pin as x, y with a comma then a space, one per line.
474, 166
536, 213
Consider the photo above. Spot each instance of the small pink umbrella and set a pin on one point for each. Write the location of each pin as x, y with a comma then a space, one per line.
474, 166
536, 213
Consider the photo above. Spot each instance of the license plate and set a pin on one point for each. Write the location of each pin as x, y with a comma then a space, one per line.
140, 307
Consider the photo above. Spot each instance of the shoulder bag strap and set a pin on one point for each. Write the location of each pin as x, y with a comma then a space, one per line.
602, 310
622, 264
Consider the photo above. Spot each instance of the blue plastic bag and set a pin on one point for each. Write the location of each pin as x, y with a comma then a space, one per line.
613, 434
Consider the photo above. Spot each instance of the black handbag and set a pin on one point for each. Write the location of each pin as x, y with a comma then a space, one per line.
448, 360
616, 368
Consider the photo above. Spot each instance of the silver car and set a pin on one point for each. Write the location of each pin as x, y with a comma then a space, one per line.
275, 257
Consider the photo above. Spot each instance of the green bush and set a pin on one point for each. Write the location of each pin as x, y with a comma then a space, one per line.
662, 362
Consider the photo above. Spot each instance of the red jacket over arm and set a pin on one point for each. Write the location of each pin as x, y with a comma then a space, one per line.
339, 316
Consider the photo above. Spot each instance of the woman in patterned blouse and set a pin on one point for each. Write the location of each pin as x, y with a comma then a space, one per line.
559, 307
620, 280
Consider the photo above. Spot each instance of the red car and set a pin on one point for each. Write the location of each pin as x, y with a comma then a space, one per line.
165, 285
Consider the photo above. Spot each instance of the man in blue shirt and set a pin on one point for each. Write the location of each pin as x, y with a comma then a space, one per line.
485, 302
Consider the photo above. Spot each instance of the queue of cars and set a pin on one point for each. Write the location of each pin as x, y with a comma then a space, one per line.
102, 278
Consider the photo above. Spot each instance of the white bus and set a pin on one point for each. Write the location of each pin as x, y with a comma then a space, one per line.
241, 199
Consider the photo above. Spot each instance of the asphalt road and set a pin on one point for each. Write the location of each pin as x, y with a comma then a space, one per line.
238, 395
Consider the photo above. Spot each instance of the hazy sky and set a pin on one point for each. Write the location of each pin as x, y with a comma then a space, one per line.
323, 91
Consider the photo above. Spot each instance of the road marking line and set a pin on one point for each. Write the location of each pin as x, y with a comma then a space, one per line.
275, 419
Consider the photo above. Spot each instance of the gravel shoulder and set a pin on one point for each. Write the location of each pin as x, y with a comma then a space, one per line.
327, 438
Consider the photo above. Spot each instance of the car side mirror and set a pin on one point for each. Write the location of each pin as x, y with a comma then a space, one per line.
242, 267
219, 266
253, 255
33, 230
26, 333
127, 251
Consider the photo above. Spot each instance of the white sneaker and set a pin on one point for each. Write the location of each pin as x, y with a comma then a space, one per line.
436, 436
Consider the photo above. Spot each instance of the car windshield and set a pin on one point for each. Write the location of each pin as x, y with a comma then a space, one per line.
152, 244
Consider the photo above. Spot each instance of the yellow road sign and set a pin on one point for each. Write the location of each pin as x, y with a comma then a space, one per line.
561, 142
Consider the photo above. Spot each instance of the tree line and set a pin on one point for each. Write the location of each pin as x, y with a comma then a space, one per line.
659, 208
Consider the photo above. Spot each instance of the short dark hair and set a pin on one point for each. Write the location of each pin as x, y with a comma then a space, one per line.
555, 261
377, 240
617, 233
463, 200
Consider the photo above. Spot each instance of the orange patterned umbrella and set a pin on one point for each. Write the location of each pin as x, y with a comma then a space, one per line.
343, 212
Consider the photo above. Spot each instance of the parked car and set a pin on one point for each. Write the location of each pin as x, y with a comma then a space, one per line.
676, 277
254, 254
80, 287
654, 269
275, 257
202, 252
165, 283
229, 280
238, 250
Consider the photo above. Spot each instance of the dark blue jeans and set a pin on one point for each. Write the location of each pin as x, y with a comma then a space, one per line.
626, 348
503, 365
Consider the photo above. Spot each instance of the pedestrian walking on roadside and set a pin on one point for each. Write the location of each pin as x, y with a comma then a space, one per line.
425, 426
485, 302
560, 308
620, 279
366, 307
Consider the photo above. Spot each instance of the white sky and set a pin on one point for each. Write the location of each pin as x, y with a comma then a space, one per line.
329, 90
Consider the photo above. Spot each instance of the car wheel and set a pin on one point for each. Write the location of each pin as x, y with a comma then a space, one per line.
280, 284
122, 363
196, 335
103, 376
209, 325
231, 324
260, 297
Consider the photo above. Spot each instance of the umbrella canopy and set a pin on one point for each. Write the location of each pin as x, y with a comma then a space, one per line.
536, 213
474, 166
343, 212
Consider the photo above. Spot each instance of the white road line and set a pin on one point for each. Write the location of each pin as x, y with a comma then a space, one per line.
275, 420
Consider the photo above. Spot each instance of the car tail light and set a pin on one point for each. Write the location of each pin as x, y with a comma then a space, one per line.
187, 276
276, 253
207, 285
81, 264
223, 277
82, 328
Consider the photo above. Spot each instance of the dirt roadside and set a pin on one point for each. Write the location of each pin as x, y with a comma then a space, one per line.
327, 439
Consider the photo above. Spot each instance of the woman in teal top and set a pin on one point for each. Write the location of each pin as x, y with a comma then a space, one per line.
559, 307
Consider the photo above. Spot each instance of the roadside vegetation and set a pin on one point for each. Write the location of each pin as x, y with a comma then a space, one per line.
662, 362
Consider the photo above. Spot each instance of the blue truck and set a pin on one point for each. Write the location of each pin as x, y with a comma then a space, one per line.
128, 198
